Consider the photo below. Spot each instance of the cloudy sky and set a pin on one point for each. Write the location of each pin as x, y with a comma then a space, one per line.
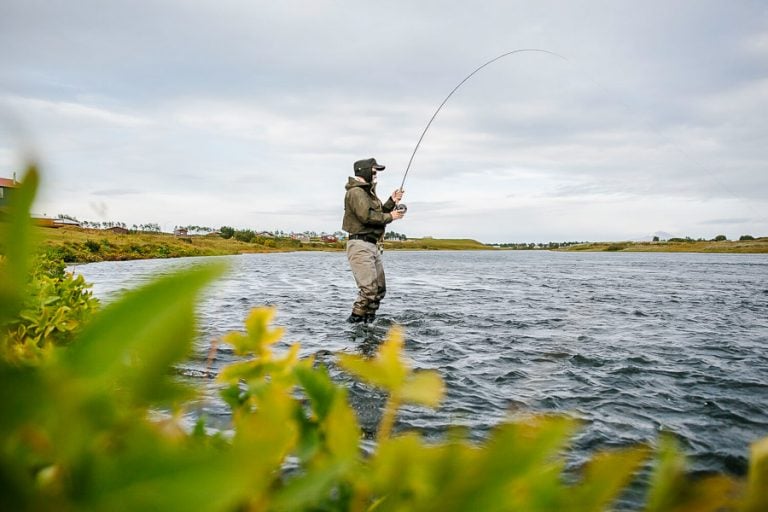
251, 113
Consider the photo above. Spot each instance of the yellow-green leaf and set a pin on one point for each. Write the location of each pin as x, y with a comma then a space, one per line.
605, 476
423, 388
757, 482
386, 370
259, 336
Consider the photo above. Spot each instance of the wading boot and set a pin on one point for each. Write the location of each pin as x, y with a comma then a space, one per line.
356, 319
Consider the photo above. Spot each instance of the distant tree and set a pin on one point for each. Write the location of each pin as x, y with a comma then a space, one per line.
720, 238
245, 235
68, 217
746, 237
655, 239
390, 235
227, 232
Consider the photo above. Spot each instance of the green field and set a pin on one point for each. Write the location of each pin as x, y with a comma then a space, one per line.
437, 244
80, 245
759, 245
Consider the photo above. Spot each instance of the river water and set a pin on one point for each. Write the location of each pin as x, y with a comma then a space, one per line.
634, 344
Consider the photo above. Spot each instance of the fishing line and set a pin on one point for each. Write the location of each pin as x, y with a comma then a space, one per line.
410, 161
598, 86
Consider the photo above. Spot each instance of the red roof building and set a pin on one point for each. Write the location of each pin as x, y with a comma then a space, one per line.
5, 186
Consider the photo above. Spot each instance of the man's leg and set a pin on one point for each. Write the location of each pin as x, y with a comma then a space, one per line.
362, 261
381, 288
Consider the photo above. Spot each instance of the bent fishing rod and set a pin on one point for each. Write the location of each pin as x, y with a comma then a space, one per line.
401, 206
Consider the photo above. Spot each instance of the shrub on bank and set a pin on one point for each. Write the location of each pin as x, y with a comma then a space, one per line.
80, 430
55, 306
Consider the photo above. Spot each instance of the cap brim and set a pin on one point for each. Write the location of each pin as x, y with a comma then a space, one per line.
379, 167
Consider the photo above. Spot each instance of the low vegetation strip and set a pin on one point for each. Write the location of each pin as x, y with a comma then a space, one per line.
756, 246
87, 245
78, 245
84, 245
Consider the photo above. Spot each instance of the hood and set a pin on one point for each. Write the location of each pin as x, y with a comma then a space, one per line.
352, 183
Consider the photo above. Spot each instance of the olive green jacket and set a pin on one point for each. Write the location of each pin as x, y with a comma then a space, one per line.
364, 214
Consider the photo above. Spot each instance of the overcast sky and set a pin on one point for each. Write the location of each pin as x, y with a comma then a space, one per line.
250, 113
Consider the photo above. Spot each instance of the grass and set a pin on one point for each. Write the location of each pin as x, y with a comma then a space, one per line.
757, 246
437, 244
81, 245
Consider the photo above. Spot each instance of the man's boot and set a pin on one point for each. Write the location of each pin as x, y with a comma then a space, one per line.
356, 319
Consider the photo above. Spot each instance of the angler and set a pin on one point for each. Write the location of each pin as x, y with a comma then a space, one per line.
365, 219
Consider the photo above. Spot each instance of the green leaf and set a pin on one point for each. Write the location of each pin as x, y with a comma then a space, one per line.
672, 489
342, 433
605, 476
16, 243
319, 388
757, 481
306, 491
135, 339
154, 475
387, 370
259, 336
424, 388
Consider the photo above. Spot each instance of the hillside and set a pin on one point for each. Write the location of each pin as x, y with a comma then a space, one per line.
79, 245
82, 245
759, 245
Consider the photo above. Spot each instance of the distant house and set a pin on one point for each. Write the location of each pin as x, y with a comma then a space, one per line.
6, 188
118, 230
329, 239
42, 221
65, 222
181, 232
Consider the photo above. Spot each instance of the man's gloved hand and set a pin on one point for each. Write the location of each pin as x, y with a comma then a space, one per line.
397, 214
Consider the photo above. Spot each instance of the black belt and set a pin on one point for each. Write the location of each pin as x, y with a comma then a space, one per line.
366, 238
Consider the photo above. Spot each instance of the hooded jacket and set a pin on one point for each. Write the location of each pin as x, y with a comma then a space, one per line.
364, 213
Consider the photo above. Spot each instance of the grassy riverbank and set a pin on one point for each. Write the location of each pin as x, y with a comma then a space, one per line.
759, 246
437, 244
79, 245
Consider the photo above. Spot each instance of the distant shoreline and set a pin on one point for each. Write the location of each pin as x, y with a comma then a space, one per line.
82, 245
757, 246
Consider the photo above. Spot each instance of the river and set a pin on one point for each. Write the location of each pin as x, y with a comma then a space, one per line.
634, 344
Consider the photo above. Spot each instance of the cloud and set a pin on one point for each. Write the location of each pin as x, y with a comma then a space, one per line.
726, 221
247, 113
115, 192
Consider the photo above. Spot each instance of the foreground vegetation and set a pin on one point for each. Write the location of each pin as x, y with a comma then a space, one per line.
80, 427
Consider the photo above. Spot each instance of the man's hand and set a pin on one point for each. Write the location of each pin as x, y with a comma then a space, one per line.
397, 195
397, 214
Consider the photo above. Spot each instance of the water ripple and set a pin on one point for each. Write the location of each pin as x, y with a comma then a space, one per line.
633, 344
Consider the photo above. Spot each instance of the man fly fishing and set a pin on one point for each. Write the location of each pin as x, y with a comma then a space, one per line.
365, 219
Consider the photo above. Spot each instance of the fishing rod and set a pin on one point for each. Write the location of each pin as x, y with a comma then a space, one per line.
402, 206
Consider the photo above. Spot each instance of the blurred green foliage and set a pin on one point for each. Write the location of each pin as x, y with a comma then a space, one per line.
55, 306
80, 429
